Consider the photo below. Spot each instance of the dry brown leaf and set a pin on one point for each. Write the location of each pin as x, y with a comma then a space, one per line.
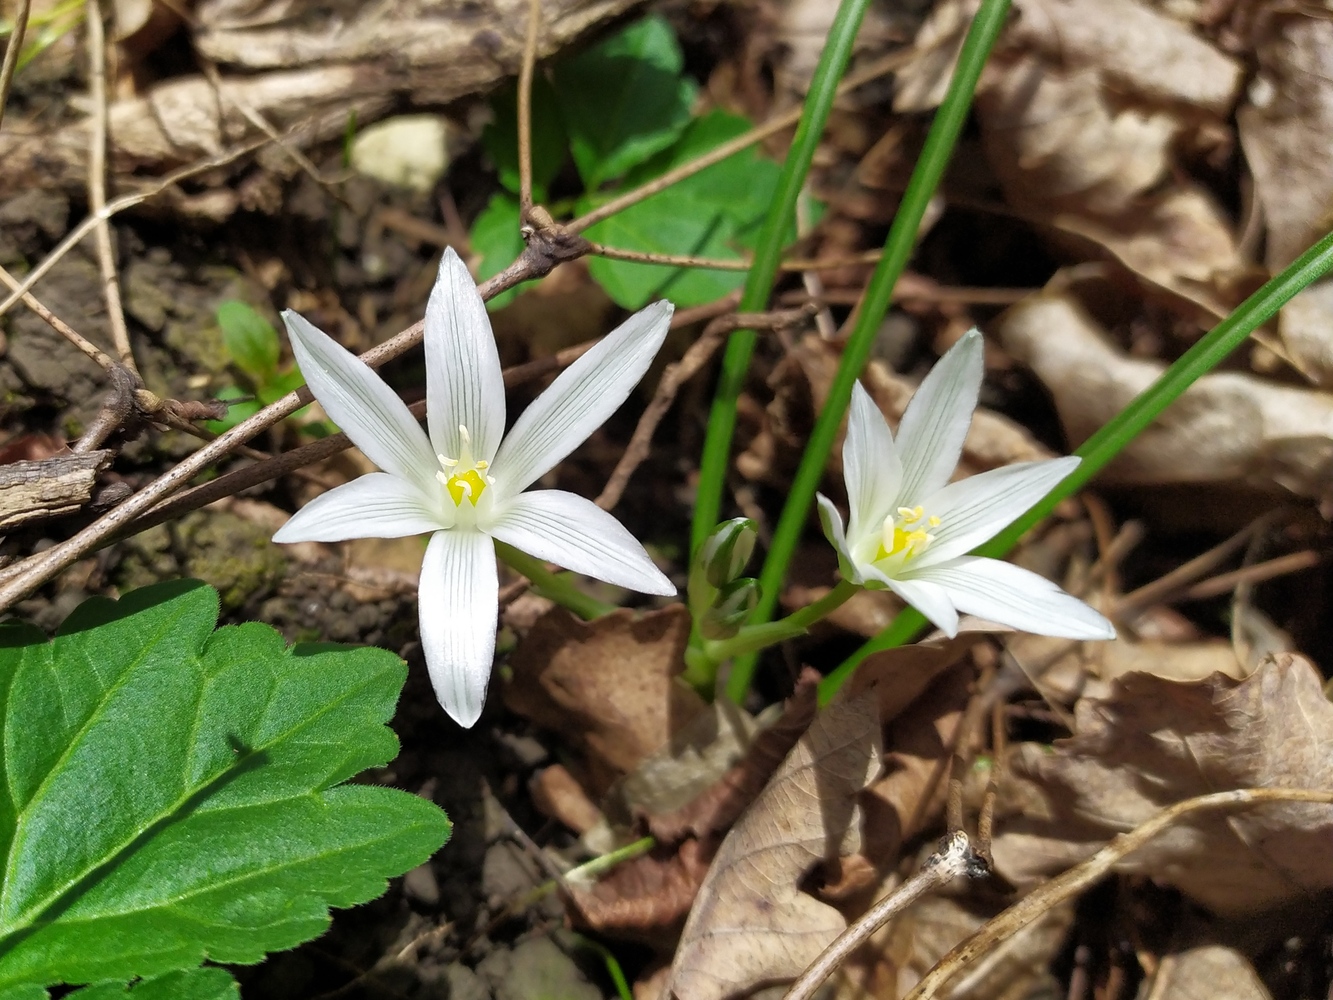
557, 794
1208, 972
897, 956
1154, 743
899, 676
752, 923
1286, 130
608, 686
1225, 427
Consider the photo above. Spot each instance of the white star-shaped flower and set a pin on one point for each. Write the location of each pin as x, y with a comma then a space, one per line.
465, 485
910, 529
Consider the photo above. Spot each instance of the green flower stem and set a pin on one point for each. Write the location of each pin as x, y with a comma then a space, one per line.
589, 870
753, 638
553, 586
759, 281
898, 248
1112, 438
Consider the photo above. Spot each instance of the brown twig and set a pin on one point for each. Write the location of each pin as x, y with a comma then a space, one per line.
97, 139
676, 375
525, 74
954, 858
1075, 880
1215, 586
785, 120
10, 65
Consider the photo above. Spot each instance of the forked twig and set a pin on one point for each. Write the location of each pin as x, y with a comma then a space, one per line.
10, 65
1078, 878
954, 858
676, 375
97, 140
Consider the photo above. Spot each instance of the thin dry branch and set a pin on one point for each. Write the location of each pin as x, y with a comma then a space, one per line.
954, 858
525, 110
676, 375
97, 137
12, 50
787, 119
1078, 878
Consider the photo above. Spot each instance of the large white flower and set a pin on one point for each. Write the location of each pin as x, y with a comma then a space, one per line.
463, 483
909, 528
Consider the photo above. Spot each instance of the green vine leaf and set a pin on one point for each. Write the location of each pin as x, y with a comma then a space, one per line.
173, 793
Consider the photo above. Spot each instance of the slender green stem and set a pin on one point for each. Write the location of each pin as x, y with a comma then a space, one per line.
753, 638
589, 870
1112, 438
553, 586
759, 281
898, 249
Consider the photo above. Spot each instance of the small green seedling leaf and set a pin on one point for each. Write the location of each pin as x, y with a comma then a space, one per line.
624, 100
251, 340
173, 793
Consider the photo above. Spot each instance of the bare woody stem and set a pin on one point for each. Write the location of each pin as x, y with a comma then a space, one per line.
525, 109
12, 51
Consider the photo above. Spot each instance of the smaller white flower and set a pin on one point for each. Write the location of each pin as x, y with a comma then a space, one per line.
909, 528
462, 483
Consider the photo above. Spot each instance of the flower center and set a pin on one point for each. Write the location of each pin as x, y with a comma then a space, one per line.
904, 536
464, 477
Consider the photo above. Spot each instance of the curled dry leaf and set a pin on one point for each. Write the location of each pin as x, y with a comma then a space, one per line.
1286, 130
752, 923
1154, 743
1225, 427
649, 896
608, 686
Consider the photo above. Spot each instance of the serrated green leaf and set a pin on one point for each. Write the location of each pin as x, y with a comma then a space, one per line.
623, 100
169, 790
250, 339
495, 236
549, 143
207, 983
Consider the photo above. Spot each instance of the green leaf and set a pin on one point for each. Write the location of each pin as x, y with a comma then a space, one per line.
624, 100
172, 793
208, 983
250, 339
549, 142
711, 214
495, 236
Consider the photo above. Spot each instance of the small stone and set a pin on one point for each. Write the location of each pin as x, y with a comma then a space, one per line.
528, 750
464, 984
505, 873
540, 969
420, 884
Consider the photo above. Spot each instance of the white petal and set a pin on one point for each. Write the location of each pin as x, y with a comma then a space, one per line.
831, 521
580, 399
463, 380
975, 509
870, 464
362, 405
458, 601
575, 533
377, 505
931, 600
1004, 593
930, 436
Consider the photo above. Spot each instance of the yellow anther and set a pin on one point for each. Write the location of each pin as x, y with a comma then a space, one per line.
933, 521
469, 484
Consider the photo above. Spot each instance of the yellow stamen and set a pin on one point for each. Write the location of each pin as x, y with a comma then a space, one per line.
463, 477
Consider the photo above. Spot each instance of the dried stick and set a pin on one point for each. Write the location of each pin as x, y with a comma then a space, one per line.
60, 326
94, 219
954, 858
1052, 893
12, 53
676, 375
106, 255
756, 135
525, 110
